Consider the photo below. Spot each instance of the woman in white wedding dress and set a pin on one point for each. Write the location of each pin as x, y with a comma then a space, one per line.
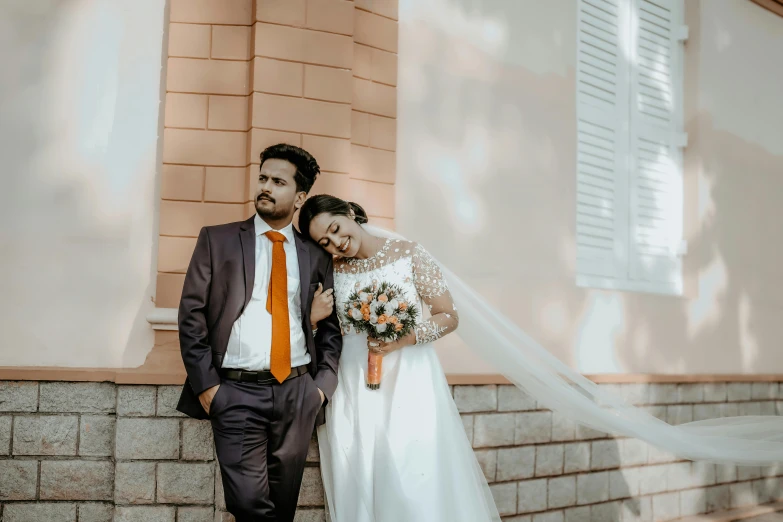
399, 453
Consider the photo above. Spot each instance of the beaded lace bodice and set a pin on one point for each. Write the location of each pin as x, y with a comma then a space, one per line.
409, 266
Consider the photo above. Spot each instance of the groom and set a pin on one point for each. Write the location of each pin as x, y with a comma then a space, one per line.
256, 366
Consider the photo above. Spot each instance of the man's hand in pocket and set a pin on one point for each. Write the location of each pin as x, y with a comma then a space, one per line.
205, 397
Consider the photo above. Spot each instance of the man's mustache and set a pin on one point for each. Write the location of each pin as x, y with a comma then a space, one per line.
268, 198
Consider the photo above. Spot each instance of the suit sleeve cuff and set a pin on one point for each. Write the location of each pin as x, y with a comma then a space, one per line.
204, 381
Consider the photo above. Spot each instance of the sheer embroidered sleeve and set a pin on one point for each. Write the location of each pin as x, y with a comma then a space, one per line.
434, 292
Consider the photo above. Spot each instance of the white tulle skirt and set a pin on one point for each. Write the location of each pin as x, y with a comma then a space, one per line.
399, 453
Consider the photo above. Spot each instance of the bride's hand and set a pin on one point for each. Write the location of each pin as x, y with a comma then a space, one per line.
323, 304
384, 348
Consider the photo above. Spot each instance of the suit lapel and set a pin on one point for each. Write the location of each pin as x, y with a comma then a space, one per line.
303, 255
247, 236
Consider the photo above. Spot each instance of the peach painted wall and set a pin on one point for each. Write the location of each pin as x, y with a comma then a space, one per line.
320, 74
93, 219
79, 126
205, 142
486, 180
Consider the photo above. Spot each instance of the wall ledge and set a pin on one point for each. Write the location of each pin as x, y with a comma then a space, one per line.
163, 319
115, 375
144, 375
628, 378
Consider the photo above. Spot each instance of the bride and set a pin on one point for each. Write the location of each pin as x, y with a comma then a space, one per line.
399, 452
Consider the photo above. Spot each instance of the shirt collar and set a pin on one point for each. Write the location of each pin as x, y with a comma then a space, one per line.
262, 228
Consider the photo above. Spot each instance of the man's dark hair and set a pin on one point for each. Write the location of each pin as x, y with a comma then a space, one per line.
307, 168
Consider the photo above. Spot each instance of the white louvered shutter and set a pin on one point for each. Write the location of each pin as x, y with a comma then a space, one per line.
602, 138
656, 142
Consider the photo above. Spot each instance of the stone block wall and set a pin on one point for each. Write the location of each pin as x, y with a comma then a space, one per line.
544, 468
96, 452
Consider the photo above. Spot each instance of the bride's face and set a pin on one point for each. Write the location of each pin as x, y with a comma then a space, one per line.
339, 235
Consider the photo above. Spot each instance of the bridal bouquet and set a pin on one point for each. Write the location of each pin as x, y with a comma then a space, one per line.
382, 312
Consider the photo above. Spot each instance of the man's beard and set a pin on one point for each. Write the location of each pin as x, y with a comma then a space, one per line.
275, 212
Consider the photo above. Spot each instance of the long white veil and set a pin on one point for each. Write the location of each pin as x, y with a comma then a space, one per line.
751, 440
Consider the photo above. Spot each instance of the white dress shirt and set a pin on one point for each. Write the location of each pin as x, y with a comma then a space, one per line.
250, 343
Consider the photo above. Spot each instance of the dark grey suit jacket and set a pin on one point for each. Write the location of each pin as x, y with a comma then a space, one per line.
218, 286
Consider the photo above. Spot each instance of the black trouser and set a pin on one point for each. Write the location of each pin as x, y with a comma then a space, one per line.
262, 432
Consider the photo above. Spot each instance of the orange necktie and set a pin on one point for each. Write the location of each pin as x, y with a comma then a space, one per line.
277, 305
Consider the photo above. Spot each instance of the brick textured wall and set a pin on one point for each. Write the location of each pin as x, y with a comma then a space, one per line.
104, 452
205, 141
243, 75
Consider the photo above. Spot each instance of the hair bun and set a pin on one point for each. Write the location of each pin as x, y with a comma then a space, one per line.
359, 213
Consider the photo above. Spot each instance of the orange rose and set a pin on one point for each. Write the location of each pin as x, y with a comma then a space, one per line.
365, 309
366, 317
382, 319
403, 306
393, 320
383, 298
398, 328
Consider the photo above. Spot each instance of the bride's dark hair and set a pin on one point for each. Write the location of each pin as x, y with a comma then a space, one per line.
324, 203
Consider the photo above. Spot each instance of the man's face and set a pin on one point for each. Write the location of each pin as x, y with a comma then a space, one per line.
277, 197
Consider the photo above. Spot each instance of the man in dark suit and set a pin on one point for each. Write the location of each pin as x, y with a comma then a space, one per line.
256, 366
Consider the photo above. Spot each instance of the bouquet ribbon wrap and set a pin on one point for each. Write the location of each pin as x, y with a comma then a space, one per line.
374, 368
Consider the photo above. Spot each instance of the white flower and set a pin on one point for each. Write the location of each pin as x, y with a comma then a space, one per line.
364, 297
402, 316
394, 304
356, 314
373, 318
380, 328
376, 307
